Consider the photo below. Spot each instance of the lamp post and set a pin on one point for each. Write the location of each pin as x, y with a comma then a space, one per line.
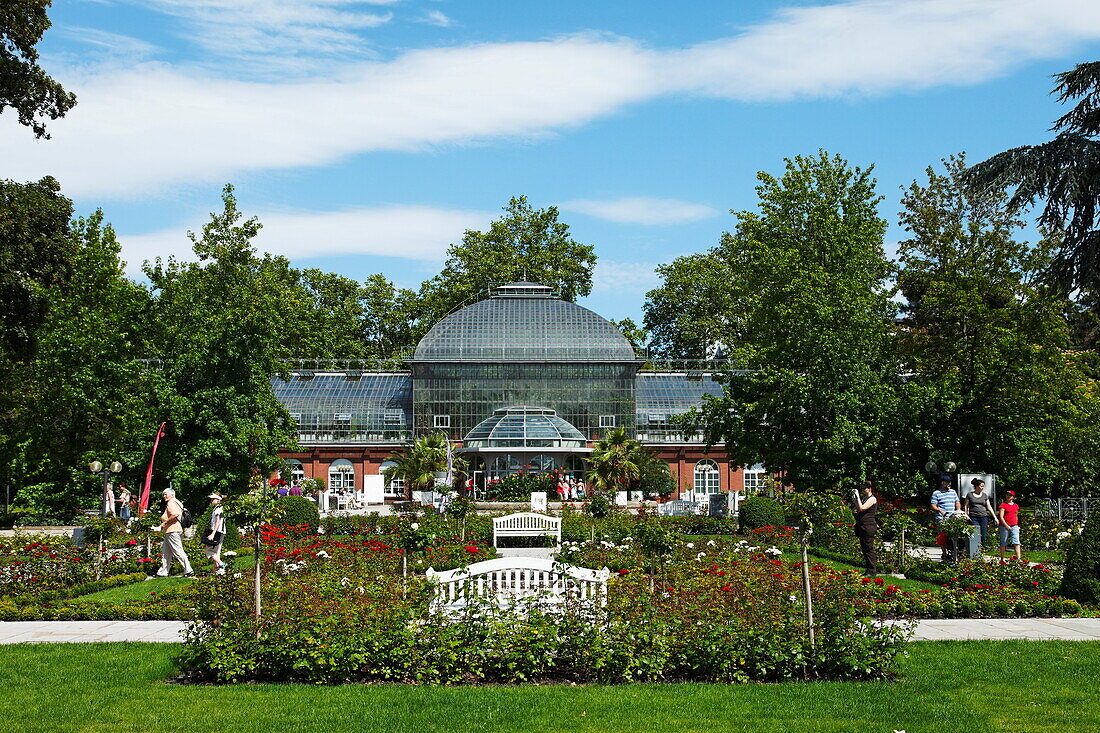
98, 469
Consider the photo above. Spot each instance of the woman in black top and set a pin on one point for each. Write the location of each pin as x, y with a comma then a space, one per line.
865, 506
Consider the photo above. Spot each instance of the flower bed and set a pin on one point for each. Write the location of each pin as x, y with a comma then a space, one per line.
726, 610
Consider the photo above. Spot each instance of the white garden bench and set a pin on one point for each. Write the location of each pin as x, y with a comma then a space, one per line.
526, 524
504, 581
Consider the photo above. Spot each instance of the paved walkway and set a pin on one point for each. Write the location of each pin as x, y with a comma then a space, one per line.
18, 632
1066, 629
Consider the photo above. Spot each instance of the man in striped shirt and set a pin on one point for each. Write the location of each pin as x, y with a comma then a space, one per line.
944, 502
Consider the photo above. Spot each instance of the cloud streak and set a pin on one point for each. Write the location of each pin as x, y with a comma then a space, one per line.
154, 126
644, 210
411, 232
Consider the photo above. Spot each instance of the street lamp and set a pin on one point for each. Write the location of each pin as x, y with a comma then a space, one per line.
113, 470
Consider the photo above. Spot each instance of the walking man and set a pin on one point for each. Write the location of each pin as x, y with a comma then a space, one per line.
171, 547
945, 502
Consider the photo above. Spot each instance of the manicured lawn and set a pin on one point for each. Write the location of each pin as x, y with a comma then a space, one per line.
140, 591
944, 687
135, 591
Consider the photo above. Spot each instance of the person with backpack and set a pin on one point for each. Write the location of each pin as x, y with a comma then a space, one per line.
172, 523
215, 534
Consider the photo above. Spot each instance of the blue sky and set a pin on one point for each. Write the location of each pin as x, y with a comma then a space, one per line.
368, 135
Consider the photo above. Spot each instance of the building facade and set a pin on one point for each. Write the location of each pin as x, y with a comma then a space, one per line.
521, 380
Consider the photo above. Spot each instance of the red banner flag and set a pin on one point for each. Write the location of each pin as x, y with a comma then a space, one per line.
143, 504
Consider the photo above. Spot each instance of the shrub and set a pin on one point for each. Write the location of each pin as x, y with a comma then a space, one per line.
831, 518
760, 511
298, 510
1081, 578
519, 486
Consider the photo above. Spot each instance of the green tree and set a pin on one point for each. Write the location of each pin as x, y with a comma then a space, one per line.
36, 253
525, 244
690, 312
1062, 174
620, 463
635, 334
24, 85
388, 320
85, 395
421, 460
222, 331
817, 390
994, 388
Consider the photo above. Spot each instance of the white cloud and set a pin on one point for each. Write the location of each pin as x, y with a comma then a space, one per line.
641, 210
435, 17
411, 232
143, 128
259, 30
878, 46
114, 48
613, 276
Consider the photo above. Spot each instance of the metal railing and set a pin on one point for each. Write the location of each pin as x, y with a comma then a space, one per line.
1069, 509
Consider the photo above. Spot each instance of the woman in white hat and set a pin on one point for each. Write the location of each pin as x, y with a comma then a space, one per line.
215, 533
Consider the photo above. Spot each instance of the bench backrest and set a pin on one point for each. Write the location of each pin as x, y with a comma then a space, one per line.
505, 580
527, 521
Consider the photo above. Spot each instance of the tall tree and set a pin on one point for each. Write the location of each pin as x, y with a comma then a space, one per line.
221, 325
24, 85
817, 394
525, 244
688, 315
1065, 175
85, 396
995, 389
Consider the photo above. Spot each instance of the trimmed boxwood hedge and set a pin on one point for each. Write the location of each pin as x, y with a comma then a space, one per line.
760, 511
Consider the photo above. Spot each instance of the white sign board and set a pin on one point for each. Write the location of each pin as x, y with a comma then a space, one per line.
538, 501
966, 484
374, 489
620, 498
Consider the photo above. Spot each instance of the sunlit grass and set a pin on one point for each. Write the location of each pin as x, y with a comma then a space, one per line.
943, 687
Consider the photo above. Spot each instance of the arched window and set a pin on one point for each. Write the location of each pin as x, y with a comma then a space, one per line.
706, 477
542, 464
394, 486
504, 465
296, 471
574, 466
341, 475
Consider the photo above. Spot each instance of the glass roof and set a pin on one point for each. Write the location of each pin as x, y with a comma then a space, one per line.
659, 396
343, 407
524, 322
524, 427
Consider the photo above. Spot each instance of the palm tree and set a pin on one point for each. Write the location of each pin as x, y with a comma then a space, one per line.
421, 460
1065, 174
615, 463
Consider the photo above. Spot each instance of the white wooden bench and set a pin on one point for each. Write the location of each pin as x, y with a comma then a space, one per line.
526, 524
504, 581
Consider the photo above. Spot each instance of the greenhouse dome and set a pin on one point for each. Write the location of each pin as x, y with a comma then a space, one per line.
524, 427
524, 322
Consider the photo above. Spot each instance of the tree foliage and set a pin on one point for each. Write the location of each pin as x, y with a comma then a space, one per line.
994, 388
24, 85
82, 394
1065, 175
816, 390
222, 324
691, 310
526, 244
421, 460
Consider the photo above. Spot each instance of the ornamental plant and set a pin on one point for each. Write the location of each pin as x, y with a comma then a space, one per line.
1081, 579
